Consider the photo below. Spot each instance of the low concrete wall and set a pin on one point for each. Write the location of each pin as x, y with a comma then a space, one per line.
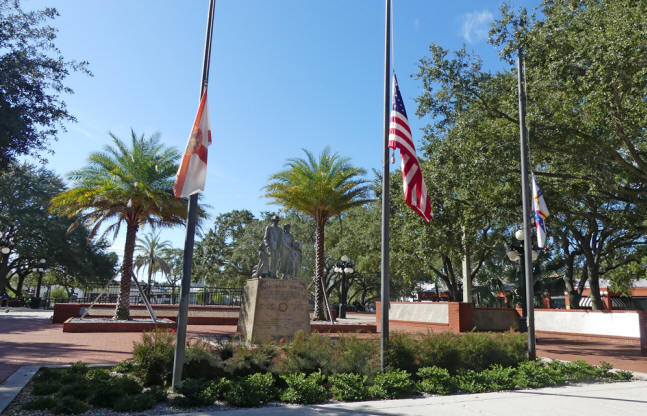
433, 316
495, 319
436, 312
624, 324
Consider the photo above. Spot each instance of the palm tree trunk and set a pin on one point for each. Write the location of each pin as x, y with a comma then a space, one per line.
123, 303
319, 270
150, 277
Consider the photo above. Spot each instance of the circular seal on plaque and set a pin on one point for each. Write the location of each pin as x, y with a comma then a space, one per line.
283, 307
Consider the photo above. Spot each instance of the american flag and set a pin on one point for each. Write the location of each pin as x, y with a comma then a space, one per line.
415, 191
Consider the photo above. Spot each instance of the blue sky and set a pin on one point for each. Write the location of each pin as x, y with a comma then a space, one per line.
285, 75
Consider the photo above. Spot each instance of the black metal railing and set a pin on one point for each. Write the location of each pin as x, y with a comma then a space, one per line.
200, 297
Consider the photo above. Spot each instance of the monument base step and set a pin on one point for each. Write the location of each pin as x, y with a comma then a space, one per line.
110, 325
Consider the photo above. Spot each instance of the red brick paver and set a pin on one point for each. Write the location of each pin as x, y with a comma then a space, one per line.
30, 341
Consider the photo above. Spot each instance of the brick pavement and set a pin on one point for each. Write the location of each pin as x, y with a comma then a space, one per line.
34, 340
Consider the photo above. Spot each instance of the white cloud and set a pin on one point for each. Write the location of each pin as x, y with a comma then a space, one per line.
476, 25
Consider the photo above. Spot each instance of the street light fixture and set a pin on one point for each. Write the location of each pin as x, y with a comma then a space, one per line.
5, 250
41, 269
343, 267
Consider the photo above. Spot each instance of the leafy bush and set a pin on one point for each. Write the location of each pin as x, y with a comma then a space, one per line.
354, 355
440, 350
194, 392
500, 378
471, 381
247, 361
107, 392
158, 393
40, 403
98, 374
153, 357
254, 390
535, 374
308, 354
392, 385
69, 405
200, 362
125, 367
435, 380
402, 352
79, 389
478, 351
47, 374
135, 402
78, 369
305, 389
349, 387
42, 388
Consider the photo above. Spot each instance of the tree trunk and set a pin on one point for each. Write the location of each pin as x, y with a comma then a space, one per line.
594, 285
123, 302
319, 270
150, 278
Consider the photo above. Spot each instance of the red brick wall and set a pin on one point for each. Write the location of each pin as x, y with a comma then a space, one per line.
460, 319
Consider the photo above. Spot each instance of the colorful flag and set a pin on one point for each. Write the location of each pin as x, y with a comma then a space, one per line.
541, 211
415, 191
192, 173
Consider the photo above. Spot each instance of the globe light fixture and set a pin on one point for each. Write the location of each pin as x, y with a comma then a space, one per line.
348, 270
344, 258
519, 235
534, 255
513, 255
5, 250
42, 261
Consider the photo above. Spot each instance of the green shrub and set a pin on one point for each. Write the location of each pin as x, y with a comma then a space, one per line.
349, 387
125, 367
69, 405
80, 389
535, 374
217, 388
500, 378
98, 374
254, 390
354, 355
78, 369
479, 351
42, 388
392, 385
200, 362
153, 357
248, 361
435, 380
47, 374
471, 381
402, 352
40, 403
308, 354
158, 393
194, 392
439, 350
107, 392
304, 389
135, 402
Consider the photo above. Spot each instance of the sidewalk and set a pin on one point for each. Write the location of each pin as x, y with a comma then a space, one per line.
627, 399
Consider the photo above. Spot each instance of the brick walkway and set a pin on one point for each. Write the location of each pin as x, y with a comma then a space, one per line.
28, 338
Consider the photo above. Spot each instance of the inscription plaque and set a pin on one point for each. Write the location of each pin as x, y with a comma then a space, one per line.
272, 309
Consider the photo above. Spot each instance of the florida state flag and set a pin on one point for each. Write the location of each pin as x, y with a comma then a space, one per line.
191, 176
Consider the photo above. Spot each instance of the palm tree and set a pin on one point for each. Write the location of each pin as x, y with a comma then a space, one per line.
131, 185
321, 188
152, 256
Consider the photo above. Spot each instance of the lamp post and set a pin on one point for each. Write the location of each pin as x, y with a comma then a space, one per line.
3, 268
40, 282
343, 267
516, 254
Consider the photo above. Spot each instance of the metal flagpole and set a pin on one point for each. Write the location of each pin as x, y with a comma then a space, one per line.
384, 335
180, 340
525, 194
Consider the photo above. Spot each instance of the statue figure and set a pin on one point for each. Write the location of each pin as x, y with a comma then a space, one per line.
287, 246
272, 243
263, 267
296, 259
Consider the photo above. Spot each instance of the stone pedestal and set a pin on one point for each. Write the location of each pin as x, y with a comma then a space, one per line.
272, 309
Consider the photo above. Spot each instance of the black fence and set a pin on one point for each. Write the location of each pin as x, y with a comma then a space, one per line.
200, 297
